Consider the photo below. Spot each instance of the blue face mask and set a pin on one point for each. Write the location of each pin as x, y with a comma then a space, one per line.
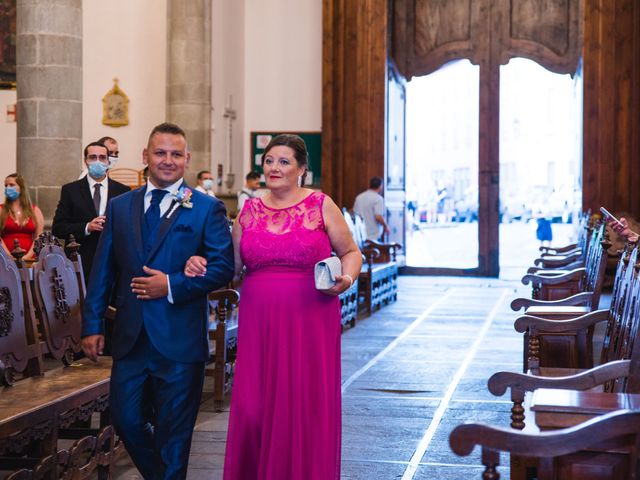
207, 184
11, 193
97, 169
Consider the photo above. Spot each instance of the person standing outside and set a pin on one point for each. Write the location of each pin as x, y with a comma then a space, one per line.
370, 206
160, 341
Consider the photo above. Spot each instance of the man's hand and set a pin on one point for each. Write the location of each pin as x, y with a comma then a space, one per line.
93, 345
195, 267
156, 285
97, 224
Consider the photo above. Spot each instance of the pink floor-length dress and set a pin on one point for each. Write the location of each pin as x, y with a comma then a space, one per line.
285, 420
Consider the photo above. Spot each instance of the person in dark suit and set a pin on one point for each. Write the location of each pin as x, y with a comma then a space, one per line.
160, 334
83, 203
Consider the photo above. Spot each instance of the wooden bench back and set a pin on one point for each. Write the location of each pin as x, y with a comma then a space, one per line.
622, 319
58, 297
561, 453
19, 342
596, 263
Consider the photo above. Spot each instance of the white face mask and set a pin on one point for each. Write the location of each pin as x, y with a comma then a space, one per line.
207, 184
112, 161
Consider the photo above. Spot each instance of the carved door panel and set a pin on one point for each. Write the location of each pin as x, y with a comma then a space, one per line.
395, 158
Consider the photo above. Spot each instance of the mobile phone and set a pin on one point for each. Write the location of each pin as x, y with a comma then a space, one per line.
607, 213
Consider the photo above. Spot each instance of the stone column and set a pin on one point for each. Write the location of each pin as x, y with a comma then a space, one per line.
189, 76
49, 91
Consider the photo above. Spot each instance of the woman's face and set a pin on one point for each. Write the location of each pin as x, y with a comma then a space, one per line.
281, 168
11, 182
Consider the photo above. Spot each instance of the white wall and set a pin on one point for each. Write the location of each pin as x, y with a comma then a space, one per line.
227, 80
283, 68
8, 135
128, 40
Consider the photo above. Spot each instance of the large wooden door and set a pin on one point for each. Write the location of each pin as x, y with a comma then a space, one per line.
394, 189
429, 33
419, 36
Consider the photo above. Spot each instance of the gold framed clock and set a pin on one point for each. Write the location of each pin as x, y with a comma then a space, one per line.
115, 107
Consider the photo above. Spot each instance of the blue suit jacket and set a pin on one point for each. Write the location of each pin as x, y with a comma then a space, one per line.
178, 330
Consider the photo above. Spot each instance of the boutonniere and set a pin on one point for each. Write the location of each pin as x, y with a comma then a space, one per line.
182, 198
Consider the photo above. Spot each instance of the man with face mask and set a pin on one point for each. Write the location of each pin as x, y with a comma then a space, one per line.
205, 183
114, 153
83, 204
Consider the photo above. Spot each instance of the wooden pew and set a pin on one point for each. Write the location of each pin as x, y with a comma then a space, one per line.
559, 284
19, 341
623, 327
378, 279
223, 333
38, 410
575, 453
568, 343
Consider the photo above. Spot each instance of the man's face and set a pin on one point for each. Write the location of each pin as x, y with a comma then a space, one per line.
167, 158
112, 146
96, 153
203, 177
253, 184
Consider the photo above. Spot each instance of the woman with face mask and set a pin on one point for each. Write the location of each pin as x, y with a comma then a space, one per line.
19, 218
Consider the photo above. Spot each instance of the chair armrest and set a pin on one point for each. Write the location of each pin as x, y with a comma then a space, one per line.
557, 326
501, 381
554, 443
573, 300
538, 278
555, 262
557, 250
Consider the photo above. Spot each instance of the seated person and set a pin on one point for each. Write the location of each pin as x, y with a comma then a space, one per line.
19, 218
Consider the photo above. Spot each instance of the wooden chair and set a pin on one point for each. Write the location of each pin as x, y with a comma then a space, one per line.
127, 176
224, 335
568, 343
570, 256
19, 342
560, 284
619, 344
604, 448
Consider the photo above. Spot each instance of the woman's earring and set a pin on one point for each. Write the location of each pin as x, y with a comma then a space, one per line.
300, 181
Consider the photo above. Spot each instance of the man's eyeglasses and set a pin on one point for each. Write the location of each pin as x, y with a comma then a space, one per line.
93, 157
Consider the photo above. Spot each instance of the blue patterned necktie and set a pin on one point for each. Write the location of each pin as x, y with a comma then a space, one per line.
152, 215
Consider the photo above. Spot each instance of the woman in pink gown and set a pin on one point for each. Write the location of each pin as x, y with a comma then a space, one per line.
285, 419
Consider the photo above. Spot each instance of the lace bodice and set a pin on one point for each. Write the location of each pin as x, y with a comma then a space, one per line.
288, 237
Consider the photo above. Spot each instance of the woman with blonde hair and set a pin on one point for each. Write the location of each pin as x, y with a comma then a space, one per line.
19, 218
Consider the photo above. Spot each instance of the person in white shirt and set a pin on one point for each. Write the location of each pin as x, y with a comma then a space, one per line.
251, 186
205, 183
370, 206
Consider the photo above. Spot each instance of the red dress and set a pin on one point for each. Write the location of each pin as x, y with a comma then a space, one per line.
24, 233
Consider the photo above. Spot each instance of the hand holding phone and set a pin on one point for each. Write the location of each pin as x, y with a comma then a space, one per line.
609, 215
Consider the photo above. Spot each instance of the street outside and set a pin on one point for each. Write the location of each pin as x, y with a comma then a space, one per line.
455, 245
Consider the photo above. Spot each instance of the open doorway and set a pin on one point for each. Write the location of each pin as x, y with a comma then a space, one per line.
442, 168
539, 157
540, 161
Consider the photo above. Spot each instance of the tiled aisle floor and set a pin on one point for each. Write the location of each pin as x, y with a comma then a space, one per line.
411, 372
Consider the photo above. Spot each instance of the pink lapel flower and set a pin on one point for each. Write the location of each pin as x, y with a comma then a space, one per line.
183, 197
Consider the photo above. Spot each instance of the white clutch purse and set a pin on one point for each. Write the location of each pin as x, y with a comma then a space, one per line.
325, 272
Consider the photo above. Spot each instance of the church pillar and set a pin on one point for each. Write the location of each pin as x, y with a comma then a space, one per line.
49, 93
189, 76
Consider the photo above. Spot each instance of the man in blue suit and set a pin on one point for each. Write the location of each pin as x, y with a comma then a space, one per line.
160, 333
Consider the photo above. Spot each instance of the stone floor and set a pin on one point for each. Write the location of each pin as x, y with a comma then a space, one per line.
410, 372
